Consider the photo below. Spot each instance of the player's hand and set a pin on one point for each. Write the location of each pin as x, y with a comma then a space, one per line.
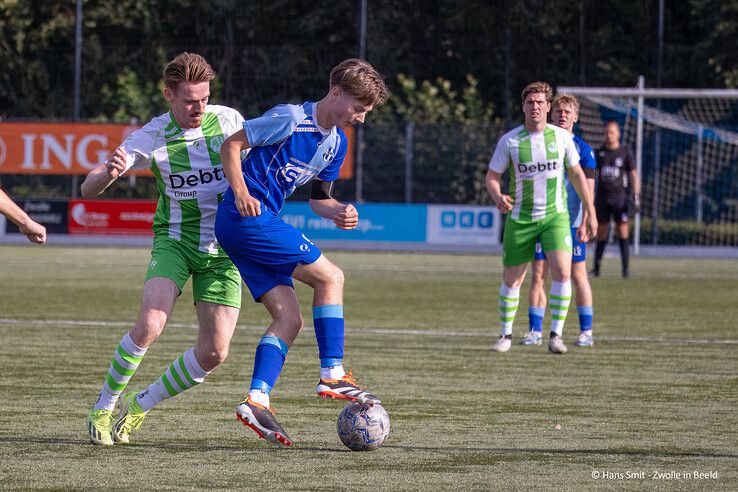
247, 205
35, 232
582, 234
504, 204
591, 223
636, 204
116, 163
348, 218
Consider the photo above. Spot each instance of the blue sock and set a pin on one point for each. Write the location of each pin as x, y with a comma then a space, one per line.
328, 321
268, 362
585, 317
535, 318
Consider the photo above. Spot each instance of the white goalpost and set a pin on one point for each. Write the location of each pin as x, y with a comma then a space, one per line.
686, 149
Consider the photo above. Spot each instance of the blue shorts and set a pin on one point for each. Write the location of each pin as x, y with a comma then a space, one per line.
578, 250
265, 249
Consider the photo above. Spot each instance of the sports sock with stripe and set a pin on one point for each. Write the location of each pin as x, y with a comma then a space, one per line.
268, 362
509, 297
559, 305
329, 331
535, 318
126, 359
183, 373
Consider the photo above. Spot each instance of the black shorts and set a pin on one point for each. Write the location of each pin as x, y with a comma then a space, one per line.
615, 207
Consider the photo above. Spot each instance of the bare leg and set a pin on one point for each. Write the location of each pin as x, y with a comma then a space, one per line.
217, 324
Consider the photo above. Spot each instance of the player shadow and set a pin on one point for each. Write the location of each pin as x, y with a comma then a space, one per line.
589, 452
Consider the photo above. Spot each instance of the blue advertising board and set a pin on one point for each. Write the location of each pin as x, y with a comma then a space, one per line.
377, 222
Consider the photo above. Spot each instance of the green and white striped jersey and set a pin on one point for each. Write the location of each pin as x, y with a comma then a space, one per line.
189, 176
539, 161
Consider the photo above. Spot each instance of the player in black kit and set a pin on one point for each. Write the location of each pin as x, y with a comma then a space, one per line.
617, 178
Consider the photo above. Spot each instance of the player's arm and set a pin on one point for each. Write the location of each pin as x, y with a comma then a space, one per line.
344, 215
103, 175
583, 188
35, 232
230, 158
503, 202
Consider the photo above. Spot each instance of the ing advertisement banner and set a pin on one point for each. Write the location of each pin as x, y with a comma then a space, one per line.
58, 148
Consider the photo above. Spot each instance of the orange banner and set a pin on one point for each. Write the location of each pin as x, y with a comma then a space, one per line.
58, 148
76, 148
347, 168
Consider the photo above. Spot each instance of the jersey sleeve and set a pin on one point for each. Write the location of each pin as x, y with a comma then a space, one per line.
587, 157
139, 147
234, 122
501, 158
571, 156
273, 126
630, 161
331, 171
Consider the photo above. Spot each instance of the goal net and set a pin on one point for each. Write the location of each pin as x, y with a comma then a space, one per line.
686, 145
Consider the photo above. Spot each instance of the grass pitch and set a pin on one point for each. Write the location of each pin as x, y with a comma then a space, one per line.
655, 399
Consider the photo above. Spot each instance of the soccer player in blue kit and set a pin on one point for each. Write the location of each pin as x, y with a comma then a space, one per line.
291, 145
565, 115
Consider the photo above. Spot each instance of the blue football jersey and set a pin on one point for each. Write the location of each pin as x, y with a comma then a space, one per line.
586, 160
289, 149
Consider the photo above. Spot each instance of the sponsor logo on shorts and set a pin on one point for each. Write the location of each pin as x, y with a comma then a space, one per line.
304, 248
567, 240
577, 250
153, 264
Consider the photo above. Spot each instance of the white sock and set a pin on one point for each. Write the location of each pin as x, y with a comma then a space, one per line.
258, 396
559, 305
334, 372
509, 297
126, 359
184, 373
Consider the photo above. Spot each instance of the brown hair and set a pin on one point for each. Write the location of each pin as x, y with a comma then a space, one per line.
538, 87
567, 99
187, 67
360, 80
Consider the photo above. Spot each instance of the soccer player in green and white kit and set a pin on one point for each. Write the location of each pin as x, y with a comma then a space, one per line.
182, 148
537, 154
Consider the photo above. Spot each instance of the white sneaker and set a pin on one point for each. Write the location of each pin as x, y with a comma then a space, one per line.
502, 345
585, 339
532, 338
556, 345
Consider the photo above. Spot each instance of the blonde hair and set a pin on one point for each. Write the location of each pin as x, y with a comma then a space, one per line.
360, 80
538, 87
569, 100
187, 67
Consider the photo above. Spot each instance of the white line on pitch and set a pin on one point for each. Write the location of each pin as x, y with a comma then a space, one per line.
373, 331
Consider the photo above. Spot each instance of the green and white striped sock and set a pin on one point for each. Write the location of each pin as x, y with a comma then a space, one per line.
559, 304
509, 297
184, 373
126, 359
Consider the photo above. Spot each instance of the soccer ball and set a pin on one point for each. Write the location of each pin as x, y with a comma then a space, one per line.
362, 427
